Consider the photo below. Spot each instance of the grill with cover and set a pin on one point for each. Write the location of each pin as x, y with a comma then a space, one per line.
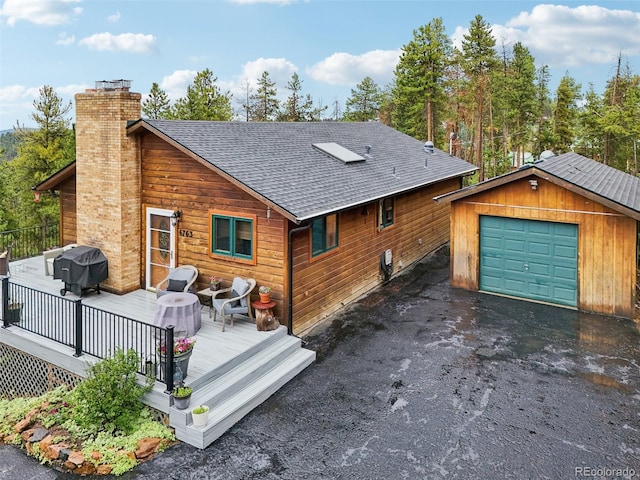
81, 268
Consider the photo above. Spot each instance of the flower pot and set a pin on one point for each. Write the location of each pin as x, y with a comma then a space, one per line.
200, 419
265, 297
182, 403
180, 365
214, 287
14, 313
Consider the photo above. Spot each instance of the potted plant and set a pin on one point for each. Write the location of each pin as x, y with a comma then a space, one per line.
200, 416
181, 396
15, 312
182, 350
214, 283
265, 294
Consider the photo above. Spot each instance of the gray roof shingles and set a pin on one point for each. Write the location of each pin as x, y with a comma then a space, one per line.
595, 177
277, 160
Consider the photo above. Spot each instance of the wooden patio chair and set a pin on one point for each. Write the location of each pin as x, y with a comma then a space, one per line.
237, 302
180, 279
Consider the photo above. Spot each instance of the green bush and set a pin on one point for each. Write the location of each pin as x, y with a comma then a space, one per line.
109, 398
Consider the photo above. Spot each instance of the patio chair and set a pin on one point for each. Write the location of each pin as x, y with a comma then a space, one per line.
237, 302
180, 279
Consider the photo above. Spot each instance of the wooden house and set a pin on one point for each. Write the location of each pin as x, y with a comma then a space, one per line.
322, 212
564, 230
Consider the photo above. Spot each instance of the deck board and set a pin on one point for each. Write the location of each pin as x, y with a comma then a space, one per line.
213, 347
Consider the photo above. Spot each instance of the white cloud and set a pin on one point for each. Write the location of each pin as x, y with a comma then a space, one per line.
66, 40
175, 85
561, 36
346, 69
40, 12
115, 18
280, 71
125, 42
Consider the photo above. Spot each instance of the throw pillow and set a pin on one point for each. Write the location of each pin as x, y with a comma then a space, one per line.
235, 303
176, 285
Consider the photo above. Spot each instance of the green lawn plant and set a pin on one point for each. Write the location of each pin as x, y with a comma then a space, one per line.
109, 399
103, 414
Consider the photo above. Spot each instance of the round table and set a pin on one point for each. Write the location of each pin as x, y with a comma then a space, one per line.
265, 320
182, 310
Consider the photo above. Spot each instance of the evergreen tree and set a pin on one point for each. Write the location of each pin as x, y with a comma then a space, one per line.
544, 112
264, 104
565, 114
419, 81
157, 104
299, 107
41, 152
590, 133
204, 100
479, 62
364, 102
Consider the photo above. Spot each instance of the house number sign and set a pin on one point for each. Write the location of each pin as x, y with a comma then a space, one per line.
185, 233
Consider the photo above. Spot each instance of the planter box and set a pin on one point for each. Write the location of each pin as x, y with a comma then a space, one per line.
14, 315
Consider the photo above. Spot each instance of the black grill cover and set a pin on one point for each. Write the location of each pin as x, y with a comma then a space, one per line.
82, 266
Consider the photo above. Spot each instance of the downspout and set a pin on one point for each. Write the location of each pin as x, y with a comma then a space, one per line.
290, 259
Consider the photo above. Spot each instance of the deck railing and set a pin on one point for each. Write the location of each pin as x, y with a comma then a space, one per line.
31, 241
86, 329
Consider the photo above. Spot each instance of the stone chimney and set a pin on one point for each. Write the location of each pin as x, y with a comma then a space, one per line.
108, 193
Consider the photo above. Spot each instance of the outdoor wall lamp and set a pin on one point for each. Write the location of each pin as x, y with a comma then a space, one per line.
534, 184
175, 217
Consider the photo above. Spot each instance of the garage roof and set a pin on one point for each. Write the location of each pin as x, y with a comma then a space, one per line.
611, 187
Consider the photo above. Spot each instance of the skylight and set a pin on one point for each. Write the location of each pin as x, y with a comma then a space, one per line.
338, 151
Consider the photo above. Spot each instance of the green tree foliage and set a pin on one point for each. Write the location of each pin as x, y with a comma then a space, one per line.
41, 152
565, 114
264, 104
109, 398
420, 81
157, 104
299, 107
479, 62
543, 130
204, 100
364, 102
589, 133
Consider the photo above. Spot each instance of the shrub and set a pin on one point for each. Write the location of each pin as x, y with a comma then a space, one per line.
109, 398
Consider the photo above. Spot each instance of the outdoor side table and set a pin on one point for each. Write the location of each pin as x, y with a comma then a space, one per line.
180, 309
265, 320
208, 294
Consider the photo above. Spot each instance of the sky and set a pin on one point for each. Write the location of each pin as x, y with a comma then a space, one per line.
331, 44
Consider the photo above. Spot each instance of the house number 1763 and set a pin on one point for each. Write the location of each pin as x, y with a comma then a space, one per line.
185, 233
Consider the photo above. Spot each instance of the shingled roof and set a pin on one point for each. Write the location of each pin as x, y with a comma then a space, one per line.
277, 161
614, 188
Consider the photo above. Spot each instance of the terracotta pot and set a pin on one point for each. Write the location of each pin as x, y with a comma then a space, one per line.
265, 297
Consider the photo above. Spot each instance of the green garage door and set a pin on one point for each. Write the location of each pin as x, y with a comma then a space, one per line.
530, 259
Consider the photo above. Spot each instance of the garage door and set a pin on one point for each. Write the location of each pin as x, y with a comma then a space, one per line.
529, 259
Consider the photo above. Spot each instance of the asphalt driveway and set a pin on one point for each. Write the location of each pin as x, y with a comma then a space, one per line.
419, 380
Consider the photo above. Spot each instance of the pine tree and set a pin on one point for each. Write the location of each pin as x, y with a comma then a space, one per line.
157, 104
419, 81
264, 103
565, 114
364, 102
298, 107
204, 100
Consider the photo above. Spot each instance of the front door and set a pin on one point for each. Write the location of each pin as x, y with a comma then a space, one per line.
160, 255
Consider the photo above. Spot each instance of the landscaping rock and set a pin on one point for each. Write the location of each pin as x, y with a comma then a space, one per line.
38, 435
147, 447
22, 425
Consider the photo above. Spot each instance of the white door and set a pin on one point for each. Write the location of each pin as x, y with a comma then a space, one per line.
160, 255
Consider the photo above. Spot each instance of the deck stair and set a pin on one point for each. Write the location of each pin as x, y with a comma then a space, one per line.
235, 388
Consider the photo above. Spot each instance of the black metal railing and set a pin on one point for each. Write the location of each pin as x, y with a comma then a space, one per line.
31, 241
88, 330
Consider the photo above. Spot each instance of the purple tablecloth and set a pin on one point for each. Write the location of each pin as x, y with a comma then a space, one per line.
181, 310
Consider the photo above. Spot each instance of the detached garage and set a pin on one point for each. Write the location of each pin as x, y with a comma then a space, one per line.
563, 231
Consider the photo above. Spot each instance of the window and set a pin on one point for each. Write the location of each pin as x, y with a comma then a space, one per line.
324, 234
385, 213
231, 236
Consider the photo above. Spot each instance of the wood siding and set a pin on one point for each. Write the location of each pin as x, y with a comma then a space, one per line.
606, 240
172, 180
323, 285
68, 224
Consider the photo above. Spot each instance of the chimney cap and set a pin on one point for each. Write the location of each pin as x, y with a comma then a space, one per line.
113, 85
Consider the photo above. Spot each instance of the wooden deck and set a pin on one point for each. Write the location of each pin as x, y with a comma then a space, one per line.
222, 369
